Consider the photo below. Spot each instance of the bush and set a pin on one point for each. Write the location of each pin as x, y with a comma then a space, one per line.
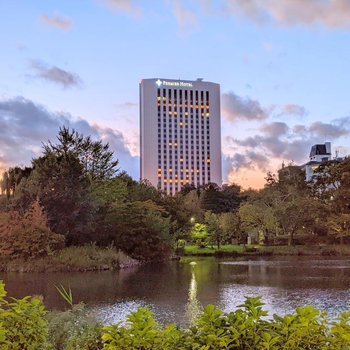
24, 326
91, 257
22, 323
245, 328
74, 329
29, 235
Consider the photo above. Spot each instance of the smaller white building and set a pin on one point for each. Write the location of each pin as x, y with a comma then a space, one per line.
319, 154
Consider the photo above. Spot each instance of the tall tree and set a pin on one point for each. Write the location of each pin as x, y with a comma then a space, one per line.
64, 192
95, 156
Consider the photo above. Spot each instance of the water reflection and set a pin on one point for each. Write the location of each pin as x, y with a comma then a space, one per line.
194, 307
175, 291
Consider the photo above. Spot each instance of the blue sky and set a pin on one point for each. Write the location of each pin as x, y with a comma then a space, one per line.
283, 66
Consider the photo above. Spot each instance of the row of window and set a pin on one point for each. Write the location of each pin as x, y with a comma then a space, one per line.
183, 94
181, 136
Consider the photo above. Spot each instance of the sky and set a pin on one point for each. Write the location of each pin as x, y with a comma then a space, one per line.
283, 67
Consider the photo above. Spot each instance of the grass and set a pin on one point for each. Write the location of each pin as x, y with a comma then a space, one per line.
195, 250
82, 258
240, 250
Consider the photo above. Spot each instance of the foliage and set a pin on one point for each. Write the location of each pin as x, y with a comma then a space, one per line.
95, 156
29, 235
142, 332
140, 229
214, 228
246, 328
22, 323
64, 192
90, 257
230, 224
66, 294
195, 250
257, 217
12, 178
74, 329
200, 235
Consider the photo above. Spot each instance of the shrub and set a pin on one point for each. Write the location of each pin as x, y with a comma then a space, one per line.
74, 329
142, 332
29, 235
22, 323
246, 328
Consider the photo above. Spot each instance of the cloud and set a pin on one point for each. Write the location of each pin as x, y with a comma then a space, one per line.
294, 109
186, 19
127, 105
55, 74
236, 108
328, 13
56, 21
125, 6
24, 125
276, 142
327, 130
275, 129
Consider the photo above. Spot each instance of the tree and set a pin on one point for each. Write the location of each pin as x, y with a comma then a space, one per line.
211, 198
29, 235
230, 225
257, 217
200, 234
64, 192
191, 204
214, 229
12, 178
340, 226
232, 197
95, 156
141, 229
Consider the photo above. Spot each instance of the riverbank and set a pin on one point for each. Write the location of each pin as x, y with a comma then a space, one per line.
255, 250
72, 259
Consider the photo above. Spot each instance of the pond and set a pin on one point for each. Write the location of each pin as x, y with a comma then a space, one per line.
175, 290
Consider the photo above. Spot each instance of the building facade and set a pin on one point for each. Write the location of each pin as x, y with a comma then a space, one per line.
319, 154
180, 136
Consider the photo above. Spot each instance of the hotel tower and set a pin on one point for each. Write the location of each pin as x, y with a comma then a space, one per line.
180, 133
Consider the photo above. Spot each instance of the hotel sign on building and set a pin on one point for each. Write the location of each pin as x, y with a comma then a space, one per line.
173, 83
180, 133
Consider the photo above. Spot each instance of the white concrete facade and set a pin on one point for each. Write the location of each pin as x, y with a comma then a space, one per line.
319, 153
180, 138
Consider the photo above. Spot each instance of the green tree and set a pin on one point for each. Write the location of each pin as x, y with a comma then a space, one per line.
230, 225
141, 229
200, 234
259, 218
213, 227
64, 191
95, 157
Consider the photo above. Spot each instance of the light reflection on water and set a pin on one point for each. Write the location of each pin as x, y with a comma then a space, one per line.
176, 290
281, 301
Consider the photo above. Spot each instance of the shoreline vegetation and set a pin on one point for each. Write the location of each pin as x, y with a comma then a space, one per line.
92, 258
234, 251
72, 259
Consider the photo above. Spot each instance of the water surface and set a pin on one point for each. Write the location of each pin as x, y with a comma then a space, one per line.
174, 290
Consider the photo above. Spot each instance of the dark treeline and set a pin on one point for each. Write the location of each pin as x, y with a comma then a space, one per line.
74, 193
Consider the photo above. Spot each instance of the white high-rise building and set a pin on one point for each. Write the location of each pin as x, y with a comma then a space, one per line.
180, 133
